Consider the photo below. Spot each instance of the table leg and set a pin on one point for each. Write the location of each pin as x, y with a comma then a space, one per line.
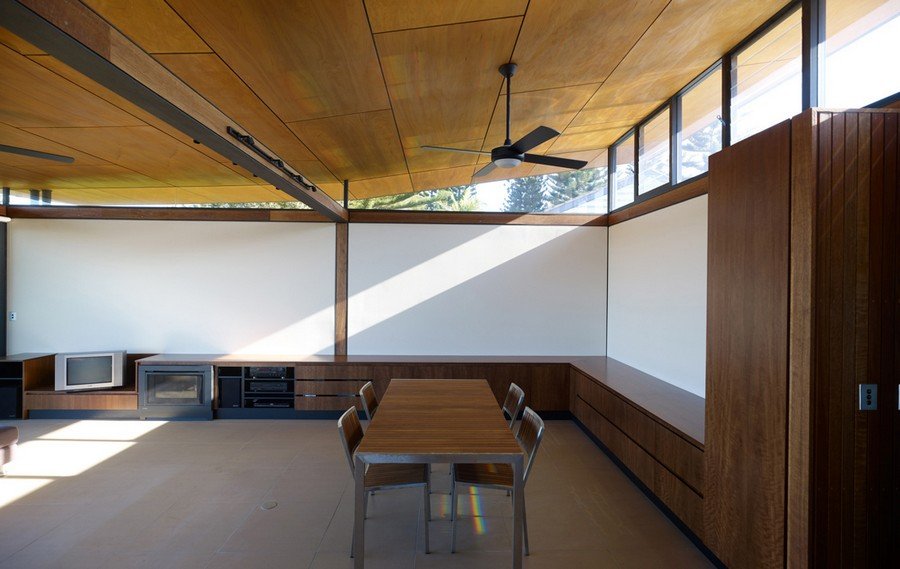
518, 510
359, 515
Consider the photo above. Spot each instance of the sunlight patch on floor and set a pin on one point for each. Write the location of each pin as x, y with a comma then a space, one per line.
66, 452
12, 488
104, 430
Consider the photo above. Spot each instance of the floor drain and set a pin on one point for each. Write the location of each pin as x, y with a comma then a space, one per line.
269, 505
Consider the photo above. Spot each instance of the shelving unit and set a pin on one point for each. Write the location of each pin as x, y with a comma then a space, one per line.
19, 374
268, 387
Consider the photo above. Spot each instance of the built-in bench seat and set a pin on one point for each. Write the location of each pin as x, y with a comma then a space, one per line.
653, 428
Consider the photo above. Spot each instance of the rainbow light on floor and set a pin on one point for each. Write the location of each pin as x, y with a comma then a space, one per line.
478, 521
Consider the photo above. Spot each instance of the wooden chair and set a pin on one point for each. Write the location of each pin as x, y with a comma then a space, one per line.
512, 405
369, 401
499, 476
382, 476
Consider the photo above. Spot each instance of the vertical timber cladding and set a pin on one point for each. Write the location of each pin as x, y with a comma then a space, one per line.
747, 350
854, 459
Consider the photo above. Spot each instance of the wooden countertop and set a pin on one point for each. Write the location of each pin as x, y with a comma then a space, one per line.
679, 409
290, 359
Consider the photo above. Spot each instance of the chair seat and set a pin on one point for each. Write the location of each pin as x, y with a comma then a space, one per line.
378, 475
8, 436
493, 474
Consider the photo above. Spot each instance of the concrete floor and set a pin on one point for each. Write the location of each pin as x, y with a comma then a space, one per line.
141, 494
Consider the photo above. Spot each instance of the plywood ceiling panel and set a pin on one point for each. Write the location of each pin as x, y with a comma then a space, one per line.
686, 38
94, 88
36, 97
13, 41
389, 15
389, 185
355, 146
232, 194
147, 151
443, 81
435, 179
305, 62
589, 38
549, 107
596, 137
116, 197
208, 75
151, 24
420, 159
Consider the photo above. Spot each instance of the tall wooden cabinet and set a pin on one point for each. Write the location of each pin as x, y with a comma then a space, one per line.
802, 308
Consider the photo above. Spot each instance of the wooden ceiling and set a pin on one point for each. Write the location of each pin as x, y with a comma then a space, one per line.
350, 89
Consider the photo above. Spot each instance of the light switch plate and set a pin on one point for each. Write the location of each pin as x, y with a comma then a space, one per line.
868, 396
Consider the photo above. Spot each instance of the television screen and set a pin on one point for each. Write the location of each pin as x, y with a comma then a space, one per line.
89, 369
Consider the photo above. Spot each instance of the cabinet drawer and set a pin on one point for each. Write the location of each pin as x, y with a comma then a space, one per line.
327, 403
330, 387
333, 371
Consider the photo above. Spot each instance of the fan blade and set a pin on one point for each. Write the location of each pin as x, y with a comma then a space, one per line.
488, 168
36, 154
555, 161
466, 150
538, 136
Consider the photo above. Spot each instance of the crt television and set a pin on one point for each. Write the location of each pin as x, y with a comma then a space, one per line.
89, 370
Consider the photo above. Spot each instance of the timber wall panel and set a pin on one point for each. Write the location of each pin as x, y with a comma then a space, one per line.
747, 340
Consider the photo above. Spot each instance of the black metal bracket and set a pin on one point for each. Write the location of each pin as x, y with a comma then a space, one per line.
248, 141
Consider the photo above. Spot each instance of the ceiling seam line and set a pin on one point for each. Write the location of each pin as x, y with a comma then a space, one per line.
388, 93
374, 33
336, 116
610, 74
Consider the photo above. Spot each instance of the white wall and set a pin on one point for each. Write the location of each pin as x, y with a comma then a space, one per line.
171, 286
475, 290
657, 294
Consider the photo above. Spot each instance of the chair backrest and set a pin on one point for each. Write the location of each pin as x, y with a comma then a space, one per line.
369, 401
351, 433
515, 398
529, 435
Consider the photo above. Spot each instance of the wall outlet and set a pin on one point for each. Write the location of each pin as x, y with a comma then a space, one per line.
12, 316
868, 396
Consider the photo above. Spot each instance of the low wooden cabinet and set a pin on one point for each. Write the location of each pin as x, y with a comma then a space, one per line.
332, 387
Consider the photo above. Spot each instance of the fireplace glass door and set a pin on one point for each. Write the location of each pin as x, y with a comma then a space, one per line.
175, 388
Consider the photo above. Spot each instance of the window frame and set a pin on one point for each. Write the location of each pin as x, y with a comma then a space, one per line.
677, 121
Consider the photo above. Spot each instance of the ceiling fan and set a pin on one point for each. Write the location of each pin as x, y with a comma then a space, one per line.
510, 154
36, 154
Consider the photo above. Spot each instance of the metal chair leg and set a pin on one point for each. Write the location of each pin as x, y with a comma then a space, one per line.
353, 539
525, 526
427, 498
453, 515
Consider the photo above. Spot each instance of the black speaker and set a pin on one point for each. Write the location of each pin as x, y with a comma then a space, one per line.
229, 392
10, 399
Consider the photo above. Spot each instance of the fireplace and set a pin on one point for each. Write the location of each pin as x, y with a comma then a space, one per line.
175, 392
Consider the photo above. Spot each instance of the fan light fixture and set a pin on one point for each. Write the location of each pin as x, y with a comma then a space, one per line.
507, 162
511, 154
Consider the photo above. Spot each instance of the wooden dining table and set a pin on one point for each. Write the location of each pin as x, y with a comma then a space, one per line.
439, 421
